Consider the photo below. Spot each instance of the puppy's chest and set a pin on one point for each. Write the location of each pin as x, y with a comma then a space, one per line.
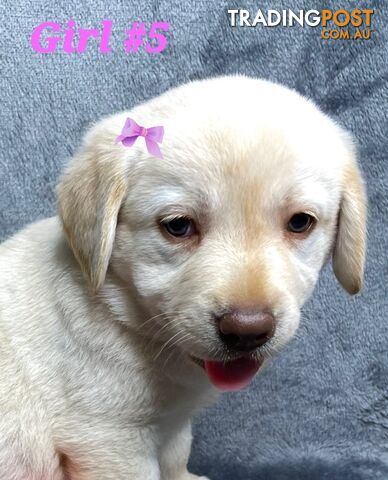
126, 395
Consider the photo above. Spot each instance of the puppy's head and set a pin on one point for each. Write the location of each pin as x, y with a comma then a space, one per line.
221, 241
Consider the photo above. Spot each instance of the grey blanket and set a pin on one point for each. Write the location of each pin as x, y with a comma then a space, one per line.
321, 410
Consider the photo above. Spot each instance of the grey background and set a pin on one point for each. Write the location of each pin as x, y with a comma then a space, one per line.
321, 410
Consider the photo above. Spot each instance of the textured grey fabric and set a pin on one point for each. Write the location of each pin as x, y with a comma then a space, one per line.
321, 410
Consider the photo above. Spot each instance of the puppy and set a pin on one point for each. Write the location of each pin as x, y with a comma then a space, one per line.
166, 280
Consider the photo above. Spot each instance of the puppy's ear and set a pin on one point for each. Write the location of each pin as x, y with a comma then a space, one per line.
89, 198
349, 250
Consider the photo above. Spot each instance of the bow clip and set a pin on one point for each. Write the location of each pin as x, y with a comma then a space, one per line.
152, 136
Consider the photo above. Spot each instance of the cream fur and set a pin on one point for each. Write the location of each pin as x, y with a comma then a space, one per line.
96, 330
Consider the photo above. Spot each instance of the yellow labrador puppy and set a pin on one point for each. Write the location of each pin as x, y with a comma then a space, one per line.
165, 280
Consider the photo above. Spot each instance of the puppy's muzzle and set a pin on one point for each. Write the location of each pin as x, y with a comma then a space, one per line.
246, 330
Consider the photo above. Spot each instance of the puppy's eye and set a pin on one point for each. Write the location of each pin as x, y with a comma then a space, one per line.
300, 223
179, 227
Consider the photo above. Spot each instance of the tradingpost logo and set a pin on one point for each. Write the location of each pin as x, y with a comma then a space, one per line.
341, 24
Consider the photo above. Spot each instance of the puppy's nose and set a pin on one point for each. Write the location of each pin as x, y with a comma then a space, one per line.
245, 330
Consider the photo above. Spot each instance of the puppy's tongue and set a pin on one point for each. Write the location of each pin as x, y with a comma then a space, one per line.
232, 376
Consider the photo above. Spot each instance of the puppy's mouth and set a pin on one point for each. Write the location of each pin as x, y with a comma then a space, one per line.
232, 375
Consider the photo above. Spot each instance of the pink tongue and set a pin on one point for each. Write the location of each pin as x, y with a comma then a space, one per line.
233, 375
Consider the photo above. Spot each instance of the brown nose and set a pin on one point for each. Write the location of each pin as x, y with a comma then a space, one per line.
246, 330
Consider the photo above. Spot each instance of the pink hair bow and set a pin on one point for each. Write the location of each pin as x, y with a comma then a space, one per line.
152, 136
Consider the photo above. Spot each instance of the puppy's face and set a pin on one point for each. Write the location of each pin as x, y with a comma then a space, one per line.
222, 240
